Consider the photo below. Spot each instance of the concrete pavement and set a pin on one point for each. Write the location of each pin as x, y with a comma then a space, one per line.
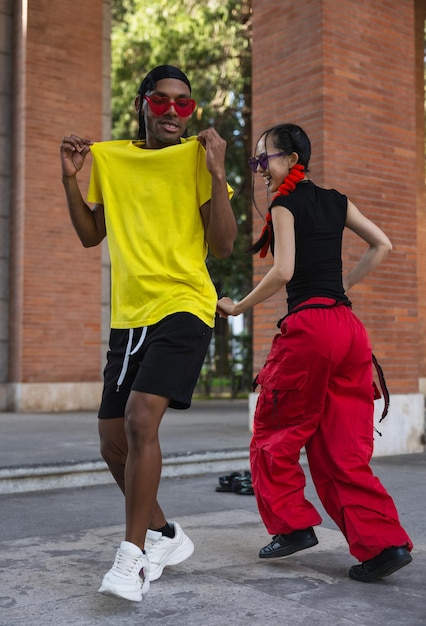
57, 543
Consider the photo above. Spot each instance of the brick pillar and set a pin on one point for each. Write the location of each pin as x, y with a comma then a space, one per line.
55, 284
345, 71
420, 20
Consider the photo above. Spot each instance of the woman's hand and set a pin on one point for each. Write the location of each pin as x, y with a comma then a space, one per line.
225, 307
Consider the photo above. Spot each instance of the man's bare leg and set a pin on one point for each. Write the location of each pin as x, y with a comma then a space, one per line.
114, 451
143, 417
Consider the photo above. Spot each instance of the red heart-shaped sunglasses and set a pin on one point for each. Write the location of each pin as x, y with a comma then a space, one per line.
159, 105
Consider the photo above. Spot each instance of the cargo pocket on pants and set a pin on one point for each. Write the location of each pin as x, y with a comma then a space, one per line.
282, 399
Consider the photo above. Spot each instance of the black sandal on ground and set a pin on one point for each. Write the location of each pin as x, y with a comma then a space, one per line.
236, 482
225, 482
243, 485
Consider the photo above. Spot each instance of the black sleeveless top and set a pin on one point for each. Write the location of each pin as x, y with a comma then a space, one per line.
319, 219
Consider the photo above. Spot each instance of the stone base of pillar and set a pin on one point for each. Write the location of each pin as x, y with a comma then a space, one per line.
50, 397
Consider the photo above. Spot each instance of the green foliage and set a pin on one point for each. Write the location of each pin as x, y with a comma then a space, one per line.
211, 42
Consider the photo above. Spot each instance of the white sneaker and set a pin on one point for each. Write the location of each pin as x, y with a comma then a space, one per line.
162, 551
128, 578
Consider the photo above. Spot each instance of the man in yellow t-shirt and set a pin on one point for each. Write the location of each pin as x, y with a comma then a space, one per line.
162, 201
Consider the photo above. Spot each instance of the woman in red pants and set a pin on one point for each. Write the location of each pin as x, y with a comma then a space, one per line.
317, 382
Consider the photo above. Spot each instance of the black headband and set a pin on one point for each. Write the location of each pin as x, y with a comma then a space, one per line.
159, 73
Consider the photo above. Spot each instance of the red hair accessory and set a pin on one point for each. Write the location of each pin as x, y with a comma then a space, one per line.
295, 175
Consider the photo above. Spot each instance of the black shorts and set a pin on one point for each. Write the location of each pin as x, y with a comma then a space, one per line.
164, 359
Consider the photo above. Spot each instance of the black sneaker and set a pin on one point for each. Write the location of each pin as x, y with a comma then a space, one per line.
386, 563
283, 545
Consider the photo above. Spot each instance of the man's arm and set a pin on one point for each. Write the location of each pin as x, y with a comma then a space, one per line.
219, 221
89, 224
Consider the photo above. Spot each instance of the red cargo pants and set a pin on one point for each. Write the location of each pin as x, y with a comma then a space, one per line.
317, 393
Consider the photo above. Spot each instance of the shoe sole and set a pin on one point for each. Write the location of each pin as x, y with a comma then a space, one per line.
114, 594
381, 572
133, 596
291, 549
183, 552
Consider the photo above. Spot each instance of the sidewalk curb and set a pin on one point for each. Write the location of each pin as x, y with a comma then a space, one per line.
88, 473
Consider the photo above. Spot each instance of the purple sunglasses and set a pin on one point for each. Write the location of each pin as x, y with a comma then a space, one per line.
262, 160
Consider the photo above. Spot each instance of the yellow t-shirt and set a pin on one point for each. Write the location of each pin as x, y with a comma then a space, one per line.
155, 232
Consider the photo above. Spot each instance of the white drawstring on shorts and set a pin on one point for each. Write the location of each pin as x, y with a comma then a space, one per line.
129, 352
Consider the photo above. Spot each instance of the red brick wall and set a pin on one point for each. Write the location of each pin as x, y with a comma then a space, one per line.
420, 171
55, 283
345, 71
